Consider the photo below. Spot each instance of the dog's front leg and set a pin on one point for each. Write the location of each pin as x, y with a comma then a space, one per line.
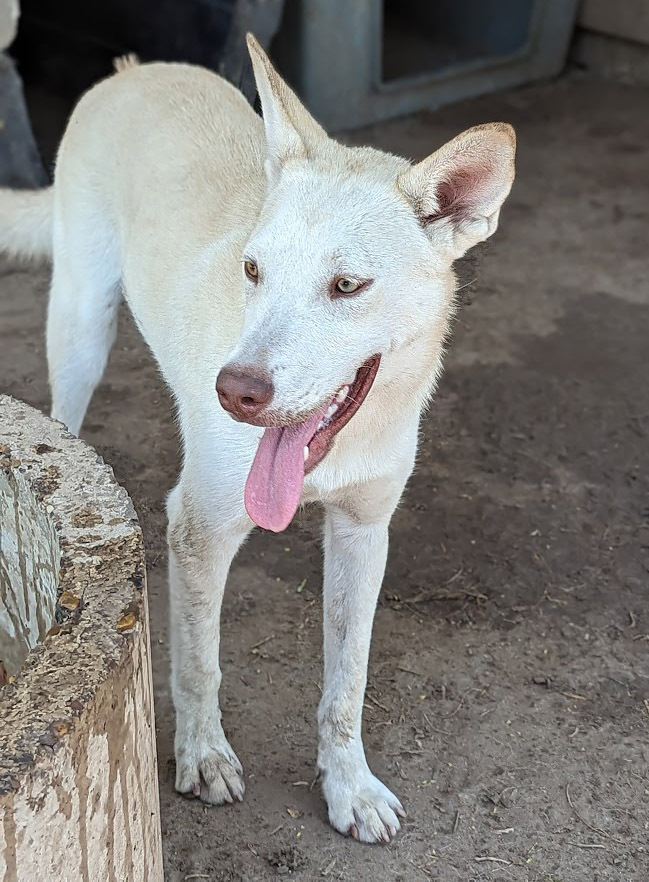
199, 560
356, 544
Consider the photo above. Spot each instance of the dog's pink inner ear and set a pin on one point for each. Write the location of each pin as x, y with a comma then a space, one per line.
460, 195
463, 185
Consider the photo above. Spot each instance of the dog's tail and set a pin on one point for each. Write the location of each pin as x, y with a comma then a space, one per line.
26, 223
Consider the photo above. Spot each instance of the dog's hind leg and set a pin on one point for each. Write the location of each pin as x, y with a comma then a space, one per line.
82, 316
202, 544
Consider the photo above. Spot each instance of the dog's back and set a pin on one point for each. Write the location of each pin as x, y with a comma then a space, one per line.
159, 180
175, 132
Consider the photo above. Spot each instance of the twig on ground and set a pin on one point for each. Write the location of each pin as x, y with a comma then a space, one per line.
377, 702
420, 868
408, 671
434, 728
585, 822
261, 643
459, 704
326, 870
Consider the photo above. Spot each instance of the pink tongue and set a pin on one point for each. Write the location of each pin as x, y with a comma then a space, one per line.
274, 485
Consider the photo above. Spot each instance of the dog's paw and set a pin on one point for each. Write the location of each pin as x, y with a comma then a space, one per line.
211, 772
363, 807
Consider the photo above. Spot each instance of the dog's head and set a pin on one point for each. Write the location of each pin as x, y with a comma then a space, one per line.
350, 263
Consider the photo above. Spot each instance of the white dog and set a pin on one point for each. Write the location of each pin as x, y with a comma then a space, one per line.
313, 284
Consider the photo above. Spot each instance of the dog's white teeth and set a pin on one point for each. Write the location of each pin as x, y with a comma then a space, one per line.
321, 425
331, 411
306, 453
342, 394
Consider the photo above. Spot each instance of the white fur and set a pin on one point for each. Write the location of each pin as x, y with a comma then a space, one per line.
160, 193
26, 223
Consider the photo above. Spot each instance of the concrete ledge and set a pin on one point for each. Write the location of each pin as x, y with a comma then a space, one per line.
627, 19
78, 781
611, 58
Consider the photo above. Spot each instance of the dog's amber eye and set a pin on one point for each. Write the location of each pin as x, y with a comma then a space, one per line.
345, 285
251, 270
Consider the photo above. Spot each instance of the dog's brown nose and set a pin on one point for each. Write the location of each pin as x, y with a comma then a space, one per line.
242, 393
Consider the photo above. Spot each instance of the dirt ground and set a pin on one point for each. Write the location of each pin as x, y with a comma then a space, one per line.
508, 699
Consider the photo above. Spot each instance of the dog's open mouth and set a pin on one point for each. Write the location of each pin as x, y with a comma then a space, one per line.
286, 454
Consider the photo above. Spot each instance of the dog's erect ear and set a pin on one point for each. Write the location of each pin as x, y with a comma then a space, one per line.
291, 131
458, 191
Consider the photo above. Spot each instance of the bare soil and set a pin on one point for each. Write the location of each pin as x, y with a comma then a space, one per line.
508, 699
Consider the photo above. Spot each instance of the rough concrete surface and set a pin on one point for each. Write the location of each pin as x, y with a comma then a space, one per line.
510, 664
78, 789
